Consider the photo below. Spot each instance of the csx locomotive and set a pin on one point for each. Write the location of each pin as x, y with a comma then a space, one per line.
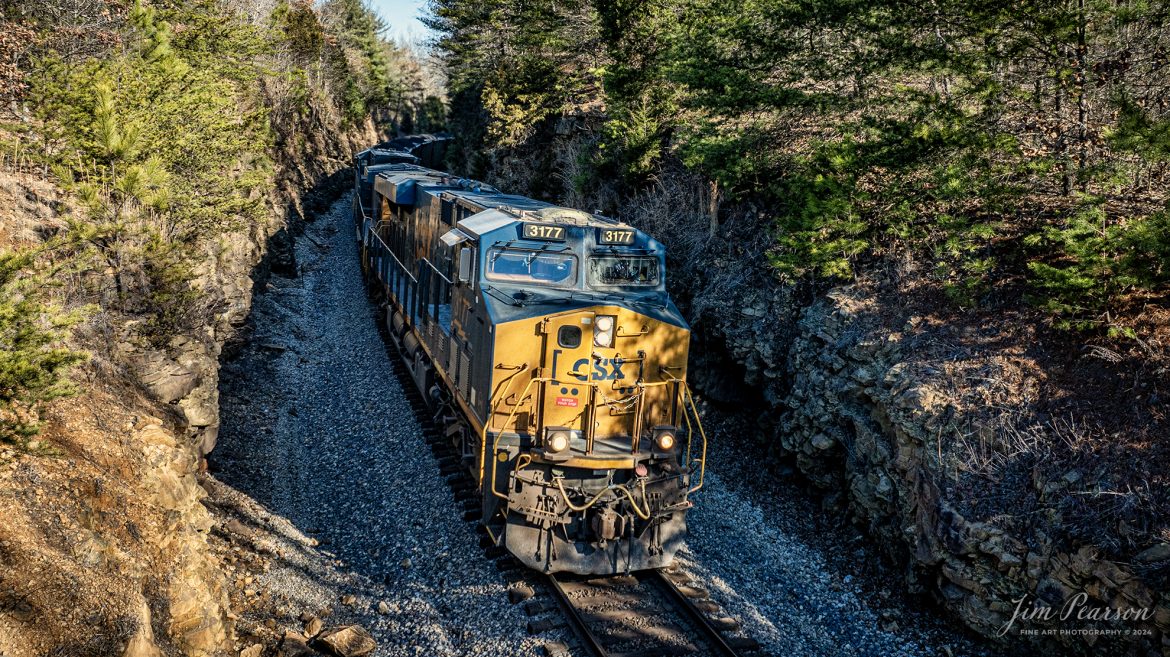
549, 335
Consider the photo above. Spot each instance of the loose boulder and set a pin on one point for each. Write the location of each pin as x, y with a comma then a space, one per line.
293, 645
345, 641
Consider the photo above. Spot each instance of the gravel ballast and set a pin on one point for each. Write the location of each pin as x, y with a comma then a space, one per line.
316, 428
801, 580
321, 457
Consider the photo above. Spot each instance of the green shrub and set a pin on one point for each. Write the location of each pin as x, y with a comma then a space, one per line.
1092, 258
161, 130
995, 145
33, 366
166, 146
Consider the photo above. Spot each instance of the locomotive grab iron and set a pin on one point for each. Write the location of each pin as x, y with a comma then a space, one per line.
547, 345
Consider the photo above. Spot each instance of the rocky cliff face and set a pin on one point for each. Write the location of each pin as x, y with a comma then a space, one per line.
930, 435
105, 538
185, 373
106, 545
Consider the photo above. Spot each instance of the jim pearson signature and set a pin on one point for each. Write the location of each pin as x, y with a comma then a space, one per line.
1076, 608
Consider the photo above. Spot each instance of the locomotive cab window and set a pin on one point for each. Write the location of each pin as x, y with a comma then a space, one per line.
640, 271
569, 337
535, 267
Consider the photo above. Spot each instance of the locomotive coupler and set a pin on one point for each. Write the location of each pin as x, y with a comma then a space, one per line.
608, 526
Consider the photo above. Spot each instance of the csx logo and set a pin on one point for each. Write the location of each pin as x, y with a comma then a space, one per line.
601, 369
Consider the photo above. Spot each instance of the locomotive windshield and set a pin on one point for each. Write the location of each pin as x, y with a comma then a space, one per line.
525, 266
623, 270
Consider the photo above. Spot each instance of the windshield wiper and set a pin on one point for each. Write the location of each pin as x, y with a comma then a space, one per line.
610, 296
524, 297
633, 301
547, 246
511, 301
624, 250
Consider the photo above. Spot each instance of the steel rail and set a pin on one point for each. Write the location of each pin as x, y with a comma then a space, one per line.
707, 633
697, 617
576, 623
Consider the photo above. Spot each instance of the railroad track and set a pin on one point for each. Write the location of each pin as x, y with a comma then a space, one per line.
657, 613
653, 613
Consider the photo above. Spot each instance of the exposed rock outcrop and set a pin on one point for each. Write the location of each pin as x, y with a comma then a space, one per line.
105, 546
913, 425
121, 523
346, 641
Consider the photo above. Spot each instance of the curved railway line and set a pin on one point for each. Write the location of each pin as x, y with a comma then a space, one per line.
318, 435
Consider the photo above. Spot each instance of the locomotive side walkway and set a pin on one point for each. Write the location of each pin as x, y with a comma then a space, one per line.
318, 445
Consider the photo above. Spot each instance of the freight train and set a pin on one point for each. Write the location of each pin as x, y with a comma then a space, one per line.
544, 339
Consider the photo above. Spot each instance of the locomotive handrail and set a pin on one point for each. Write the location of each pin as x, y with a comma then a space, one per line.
432, 266
703, 434
617, 333
494, 404
361, 206
391, 253
687, 398
641, 357
517, 370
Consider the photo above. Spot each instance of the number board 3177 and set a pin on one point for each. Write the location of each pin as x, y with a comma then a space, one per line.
615, 236
544, 232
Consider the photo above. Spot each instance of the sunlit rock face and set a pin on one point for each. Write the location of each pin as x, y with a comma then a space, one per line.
912, 425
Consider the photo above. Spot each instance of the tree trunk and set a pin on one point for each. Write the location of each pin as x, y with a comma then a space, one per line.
713, 208
1082, 101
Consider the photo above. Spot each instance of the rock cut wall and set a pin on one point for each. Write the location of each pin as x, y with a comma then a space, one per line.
105, 546
903, 419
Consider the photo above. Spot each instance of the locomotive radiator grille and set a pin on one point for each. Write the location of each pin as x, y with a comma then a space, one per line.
464, 378
452, 355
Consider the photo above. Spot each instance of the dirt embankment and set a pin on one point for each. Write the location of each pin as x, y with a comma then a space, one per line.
107, 545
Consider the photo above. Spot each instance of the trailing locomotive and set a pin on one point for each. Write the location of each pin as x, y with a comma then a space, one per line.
547, 344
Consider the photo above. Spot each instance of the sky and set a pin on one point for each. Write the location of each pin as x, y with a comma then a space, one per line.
402, 16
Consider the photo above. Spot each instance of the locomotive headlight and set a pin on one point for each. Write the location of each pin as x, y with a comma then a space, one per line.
665, 439
558, 441
603, 327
